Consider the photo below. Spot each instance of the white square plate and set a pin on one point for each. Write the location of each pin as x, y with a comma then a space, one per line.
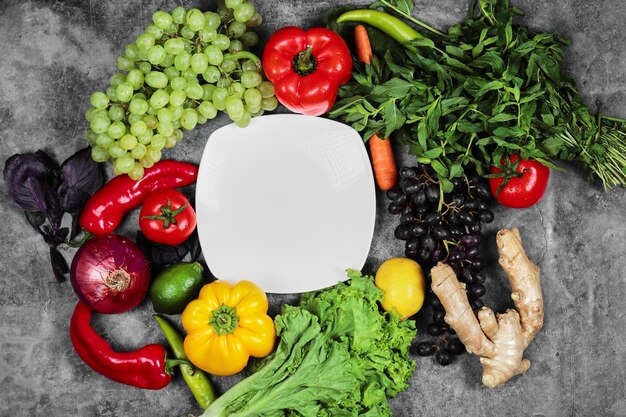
288, 202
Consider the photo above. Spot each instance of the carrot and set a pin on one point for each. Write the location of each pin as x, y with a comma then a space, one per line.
383, 163
363, 46
381, 152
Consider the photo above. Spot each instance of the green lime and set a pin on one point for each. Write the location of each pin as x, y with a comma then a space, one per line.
175, 287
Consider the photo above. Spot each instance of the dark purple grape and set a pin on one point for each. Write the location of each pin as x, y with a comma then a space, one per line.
412, 244
421, 210
470, 204
425, 349
440, 233
411, 254
482, 190
466, 218
438, 317
454, 346
408, 209
409, 218
476, 291
428, 243
472, 252
424, 254
453, 218
394, 193
481, 205
402, 232
458, 199
419, 198
438, 254
435, 329
467, 276
411, 187
443, 358
403, 199
479, 277
408, 172
450, 331
474, 228
485, 216
469, 240
395, 207
457, 231
477, 304
457, 183
435, 303
432, 193
456, 254
478, 264
433, 218
418, 230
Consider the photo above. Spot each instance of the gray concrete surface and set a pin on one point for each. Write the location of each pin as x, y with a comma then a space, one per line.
55, 53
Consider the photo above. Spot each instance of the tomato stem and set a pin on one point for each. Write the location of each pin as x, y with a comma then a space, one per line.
167, 214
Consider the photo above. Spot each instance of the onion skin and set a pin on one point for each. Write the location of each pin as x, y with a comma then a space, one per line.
110, 274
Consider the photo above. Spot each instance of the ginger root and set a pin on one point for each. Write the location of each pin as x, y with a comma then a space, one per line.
499, 339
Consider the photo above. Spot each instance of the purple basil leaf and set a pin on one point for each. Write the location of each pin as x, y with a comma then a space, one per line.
28, 182
59, 264
35, 218
80, 177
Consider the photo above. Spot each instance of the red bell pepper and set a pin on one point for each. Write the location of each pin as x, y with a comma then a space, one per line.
307, 68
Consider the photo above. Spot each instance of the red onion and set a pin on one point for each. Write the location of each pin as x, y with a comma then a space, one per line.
110, 274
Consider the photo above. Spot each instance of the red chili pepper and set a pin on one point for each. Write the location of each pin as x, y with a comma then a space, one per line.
105, 210
307, 68
144, 368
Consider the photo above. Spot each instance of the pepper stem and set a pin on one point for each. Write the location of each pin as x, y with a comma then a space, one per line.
224, 320
171, 363
304, 63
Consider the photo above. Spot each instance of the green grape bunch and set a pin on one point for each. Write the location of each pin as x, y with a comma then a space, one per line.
186, 67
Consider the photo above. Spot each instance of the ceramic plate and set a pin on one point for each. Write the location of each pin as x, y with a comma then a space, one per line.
287, 203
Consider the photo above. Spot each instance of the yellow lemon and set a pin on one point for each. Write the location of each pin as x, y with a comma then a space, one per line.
403, 285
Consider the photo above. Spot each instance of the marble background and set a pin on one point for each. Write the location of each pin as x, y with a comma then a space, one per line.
55, 53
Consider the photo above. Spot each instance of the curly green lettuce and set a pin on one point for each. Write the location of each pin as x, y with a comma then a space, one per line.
338, 354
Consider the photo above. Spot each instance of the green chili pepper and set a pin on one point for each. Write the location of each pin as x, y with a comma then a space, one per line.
197, 381
387, 23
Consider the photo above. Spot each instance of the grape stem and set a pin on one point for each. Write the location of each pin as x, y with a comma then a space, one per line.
236, 56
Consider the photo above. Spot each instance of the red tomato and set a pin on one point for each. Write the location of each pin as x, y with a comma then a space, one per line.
523, 189
167, 217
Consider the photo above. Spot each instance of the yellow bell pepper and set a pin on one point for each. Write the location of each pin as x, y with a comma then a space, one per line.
226, 325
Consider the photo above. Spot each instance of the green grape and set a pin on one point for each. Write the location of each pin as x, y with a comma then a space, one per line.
179, 135
176, 111
208, 91
132, 51
155, 31
104, 141
116, 150
135, 78
117, 79
228, 66
115, 170
269, 103
111, 93
158, 141
207, 35
178, 83
189, 119
150, 121
99, 154
157, 55
159, 99
136, 171
236, 29
99, 100
156, 79
168, 61
145, 41
176, 123
146, 137
243, 12
174, 46
253, 97
235, 46
177, 98
171, 73
234, 107
100, 124
267, 89
138, 151
244, 120
146, 163
162, 20
152, 155
187, 33
214, 55
90, 136
139, 95
237, 89
224, 82
116, 130
255, 21
99, 113
225, 14
165, 128
251, 79
124, 63
124, 164
199, 63
221, 41
189, 75
258, 114
124, 92
128, 141
231, 4
145, 67
138, 128
195, 19
138, 106
182, 61
116, 113
219, 98
253, 109
144, 54
250, 39
132, 118
250, 65
194, 90
170, 141
89, 114
207, 109
212, 20
178, 15
164, 115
